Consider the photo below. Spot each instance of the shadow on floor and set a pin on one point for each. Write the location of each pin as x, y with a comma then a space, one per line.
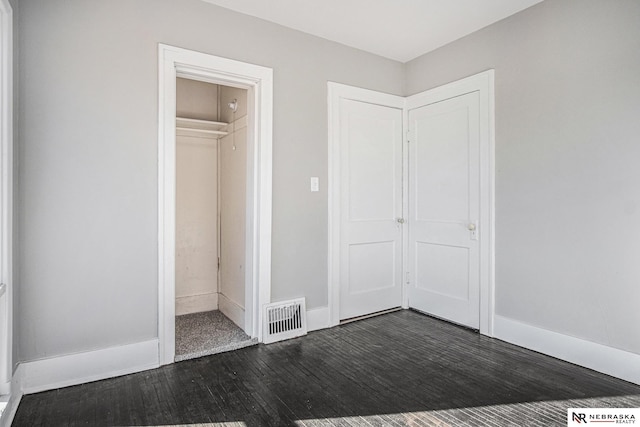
401, 368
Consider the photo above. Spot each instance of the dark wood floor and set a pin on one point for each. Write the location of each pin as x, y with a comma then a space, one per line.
401, 362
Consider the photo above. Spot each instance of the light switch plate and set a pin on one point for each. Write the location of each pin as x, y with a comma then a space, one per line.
315, 184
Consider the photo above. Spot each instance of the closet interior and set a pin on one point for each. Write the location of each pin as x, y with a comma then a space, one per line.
211, 164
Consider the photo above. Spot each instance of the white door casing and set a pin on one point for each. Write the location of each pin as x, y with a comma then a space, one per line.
481, 217
176, 62
6, 196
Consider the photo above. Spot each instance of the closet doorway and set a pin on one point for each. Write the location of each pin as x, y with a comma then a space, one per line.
211, 170
257, 81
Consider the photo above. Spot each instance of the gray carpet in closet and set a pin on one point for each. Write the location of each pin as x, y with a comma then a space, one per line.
209, 332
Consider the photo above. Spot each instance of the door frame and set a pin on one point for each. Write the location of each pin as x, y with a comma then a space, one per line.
176, 62
336, 93
483, 83
6, 197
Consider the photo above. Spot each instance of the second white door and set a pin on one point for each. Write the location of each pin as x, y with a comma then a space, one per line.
444, 209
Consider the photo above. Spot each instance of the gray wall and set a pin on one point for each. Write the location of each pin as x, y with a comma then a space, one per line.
88, 158
567, 204
567, 150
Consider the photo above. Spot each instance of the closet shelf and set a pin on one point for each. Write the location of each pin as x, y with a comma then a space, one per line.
196, 127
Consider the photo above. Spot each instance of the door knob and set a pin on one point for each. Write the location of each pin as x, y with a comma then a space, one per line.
473, 230
400, 220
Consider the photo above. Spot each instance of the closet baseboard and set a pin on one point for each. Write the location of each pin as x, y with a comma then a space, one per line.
232, 310
196, 303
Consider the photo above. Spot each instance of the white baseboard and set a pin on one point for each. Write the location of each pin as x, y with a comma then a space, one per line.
608, 360
79, 368
232, 310
3, 406
196, 303
14, 399
317, 318
9, 412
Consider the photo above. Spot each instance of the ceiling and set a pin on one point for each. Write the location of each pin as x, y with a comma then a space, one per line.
397, 29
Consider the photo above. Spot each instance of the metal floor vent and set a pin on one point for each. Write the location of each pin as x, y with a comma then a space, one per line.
284, 320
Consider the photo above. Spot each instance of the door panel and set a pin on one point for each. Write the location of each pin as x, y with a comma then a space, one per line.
443, 269
370, 162
364, 277
371, 199
444, 190
442, 178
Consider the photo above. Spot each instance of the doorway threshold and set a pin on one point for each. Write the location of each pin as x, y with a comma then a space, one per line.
207, 333
366, 316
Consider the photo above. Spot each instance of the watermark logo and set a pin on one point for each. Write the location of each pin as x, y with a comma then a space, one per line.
602, 416
579, 417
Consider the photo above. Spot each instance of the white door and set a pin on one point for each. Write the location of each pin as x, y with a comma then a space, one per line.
371, 204
444, 209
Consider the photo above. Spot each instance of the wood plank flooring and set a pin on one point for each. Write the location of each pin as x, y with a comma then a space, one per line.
401, 368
